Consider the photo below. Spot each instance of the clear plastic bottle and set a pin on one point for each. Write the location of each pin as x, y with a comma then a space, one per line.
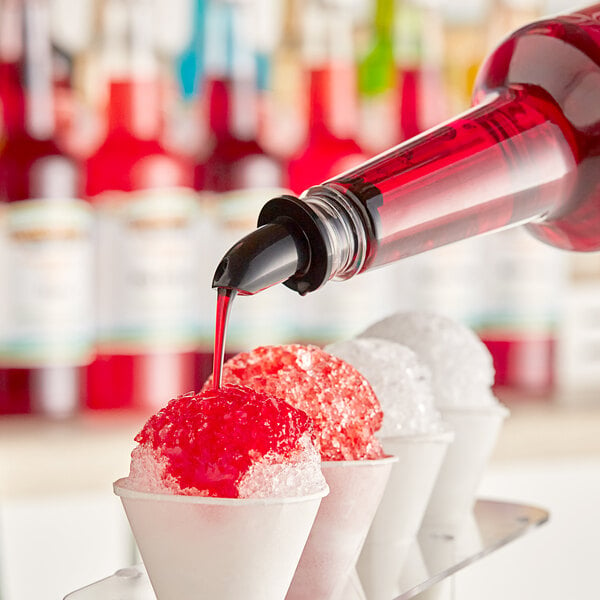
526, 153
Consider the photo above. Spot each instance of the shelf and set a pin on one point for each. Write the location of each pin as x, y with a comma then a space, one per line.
440, 555
431, 559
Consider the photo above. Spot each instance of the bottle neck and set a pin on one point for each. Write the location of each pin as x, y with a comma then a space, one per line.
12, 98
500, 164
134, 107
318, 100
329, 58
26, 65
130, 65
219, 107
506, 161
376, 68
38, 70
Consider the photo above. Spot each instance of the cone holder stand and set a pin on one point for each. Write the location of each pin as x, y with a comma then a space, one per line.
494, 524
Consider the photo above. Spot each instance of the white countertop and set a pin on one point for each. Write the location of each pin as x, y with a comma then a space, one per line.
87, 453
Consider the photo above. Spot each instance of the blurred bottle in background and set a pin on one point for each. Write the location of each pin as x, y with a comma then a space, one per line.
236, 158
377, 78
328, 56
147, 226
465, 43
524, 282
524, 287
238, 171
47, 320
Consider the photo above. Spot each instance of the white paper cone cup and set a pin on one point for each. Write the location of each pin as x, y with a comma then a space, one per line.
219, 548
340, 528
400, 513
475, 434
412, 479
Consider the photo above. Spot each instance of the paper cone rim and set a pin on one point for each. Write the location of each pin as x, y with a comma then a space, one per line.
367, 462
122, 490
444, 436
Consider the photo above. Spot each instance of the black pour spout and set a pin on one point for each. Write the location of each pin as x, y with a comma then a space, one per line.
299, 242
269, 255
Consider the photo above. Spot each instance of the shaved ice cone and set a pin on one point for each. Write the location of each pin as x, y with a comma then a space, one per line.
339, 531
226, 548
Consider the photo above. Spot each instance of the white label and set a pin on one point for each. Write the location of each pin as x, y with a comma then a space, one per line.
48, 277
149, 251
525, 282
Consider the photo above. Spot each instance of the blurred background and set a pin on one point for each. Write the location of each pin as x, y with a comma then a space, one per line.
138, 141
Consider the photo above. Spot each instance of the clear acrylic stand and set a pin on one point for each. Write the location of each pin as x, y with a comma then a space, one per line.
429, 560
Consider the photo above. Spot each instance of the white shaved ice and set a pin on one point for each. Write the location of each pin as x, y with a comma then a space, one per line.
298, 475
401, 382
461, 366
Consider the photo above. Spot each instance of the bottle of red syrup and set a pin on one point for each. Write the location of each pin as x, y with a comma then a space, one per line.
329, 61
46, 306
527, 153
147, 217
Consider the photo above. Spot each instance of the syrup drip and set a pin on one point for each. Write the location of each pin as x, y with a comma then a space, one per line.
224, 298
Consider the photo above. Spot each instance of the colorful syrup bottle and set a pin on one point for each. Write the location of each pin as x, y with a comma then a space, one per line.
147, 219
525, 154
47, 304
377, 81
328, 54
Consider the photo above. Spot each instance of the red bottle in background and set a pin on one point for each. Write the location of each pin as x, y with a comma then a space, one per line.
237, 160
239, 170
330, 147
46, 308
147, 217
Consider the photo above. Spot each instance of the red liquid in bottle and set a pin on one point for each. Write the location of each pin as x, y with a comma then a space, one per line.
237, 159
332, 119
527, 153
